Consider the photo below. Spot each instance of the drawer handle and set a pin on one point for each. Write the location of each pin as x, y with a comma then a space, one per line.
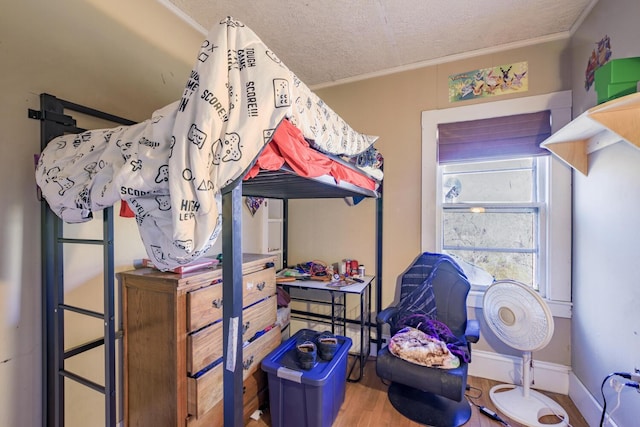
247, 363
261, 285
217, 303
245, 327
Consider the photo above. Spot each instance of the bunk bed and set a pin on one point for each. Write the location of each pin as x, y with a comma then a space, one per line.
183, 173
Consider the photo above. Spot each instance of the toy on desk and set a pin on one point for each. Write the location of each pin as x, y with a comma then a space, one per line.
312, 270
339, 281
293, 274
319, 270
290, 275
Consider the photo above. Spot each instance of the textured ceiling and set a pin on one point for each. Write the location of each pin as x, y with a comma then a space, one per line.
336, 40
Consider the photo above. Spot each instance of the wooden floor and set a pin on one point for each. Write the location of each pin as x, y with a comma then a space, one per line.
366, 405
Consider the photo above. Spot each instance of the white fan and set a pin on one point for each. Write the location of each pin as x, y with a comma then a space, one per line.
522, 320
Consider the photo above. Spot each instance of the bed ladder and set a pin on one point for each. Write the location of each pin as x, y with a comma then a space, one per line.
54, 123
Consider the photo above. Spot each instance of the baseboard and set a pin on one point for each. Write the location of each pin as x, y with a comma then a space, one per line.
508, 369
588, 406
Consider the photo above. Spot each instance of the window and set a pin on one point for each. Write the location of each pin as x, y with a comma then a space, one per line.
491, 218
508, 214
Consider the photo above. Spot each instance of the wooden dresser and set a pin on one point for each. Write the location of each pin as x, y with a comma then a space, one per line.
173, 343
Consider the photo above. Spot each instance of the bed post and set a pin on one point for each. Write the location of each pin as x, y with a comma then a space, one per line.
232, 307
285, 233
379, 267
50, 232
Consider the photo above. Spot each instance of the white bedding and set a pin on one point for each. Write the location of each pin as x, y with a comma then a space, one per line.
171, 168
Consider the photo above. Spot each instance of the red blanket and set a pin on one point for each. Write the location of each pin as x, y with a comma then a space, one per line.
289, 146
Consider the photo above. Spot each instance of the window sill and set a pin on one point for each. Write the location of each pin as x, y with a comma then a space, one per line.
558, 308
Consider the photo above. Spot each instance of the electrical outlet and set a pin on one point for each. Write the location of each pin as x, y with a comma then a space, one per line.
616, 384
635, 376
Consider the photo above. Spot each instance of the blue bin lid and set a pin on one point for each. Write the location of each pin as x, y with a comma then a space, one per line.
283, 361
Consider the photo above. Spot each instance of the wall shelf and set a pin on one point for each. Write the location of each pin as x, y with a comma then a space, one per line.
605, 124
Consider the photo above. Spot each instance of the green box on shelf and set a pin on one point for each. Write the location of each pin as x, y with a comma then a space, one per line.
618, 71
615, 90
616, 78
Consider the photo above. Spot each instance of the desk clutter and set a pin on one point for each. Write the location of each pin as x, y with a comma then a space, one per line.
343, 273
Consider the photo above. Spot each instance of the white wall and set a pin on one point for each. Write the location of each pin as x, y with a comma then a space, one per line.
606, 291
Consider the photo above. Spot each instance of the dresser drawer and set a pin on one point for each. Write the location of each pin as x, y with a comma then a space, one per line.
258, 285
204, 306
254, 396
205, 391
255, 351
205, 346
258, 317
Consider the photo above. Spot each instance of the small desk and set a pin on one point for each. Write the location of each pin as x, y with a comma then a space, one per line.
338, 318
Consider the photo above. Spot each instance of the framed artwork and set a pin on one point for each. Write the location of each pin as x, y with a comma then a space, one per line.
487, 82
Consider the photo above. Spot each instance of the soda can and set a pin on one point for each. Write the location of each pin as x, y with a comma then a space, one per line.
354, 268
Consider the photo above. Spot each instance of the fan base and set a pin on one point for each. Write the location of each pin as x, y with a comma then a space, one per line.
527, 410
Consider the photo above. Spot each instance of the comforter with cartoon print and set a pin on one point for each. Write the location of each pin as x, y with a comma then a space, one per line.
171, 168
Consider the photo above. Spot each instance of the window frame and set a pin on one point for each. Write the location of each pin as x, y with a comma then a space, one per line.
538, 204
555, 267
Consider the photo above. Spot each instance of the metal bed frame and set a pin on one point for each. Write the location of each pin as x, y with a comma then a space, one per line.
283, 184
53, 123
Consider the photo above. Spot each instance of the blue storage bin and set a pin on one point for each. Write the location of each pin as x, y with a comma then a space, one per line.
305, 398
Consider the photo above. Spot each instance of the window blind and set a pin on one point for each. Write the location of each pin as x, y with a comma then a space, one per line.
495, 138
